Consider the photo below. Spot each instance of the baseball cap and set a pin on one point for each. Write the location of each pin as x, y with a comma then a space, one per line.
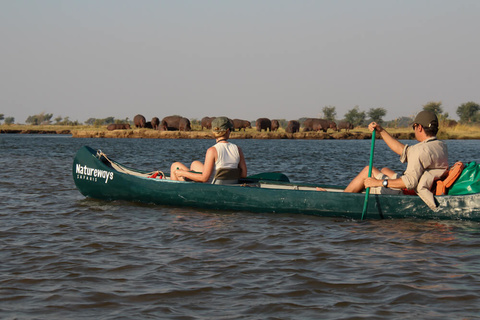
220, 124
427, 119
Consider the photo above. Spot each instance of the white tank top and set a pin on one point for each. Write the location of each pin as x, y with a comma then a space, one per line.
227, 157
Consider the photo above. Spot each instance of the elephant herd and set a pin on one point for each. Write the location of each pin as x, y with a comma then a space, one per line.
179, 123
169, 123
310, 124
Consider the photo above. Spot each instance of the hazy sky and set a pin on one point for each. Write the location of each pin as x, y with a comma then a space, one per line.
243, 59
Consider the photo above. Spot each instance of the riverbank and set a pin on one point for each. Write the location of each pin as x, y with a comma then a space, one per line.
153, 134
458, 132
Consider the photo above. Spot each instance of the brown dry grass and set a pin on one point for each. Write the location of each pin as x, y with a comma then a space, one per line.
456, 132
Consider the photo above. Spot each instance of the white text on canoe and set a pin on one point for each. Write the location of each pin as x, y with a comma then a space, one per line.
93, 173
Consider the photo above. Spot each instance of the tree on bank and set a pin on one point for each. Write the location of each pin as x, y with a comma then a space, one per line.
9, 120
42, 118
329, 113
436, 107
46, 119
377, 114
66, 121
90, 121
106, 121
469, 112
355, 116
401, 122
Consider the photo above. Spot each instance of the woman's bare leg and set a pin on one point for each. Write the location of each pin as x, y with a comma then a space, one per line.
388, 172
196, 166
175, 166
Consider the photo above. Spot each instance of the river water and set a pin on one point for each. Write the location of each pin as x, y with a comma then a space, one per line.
67, 257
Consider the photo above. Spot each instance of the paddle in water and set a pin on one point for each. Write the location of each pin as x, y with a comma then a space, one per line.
370, 166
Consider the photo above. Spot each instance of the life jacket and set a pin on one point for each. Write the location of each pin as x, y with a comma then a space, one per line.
440, 187
158, 175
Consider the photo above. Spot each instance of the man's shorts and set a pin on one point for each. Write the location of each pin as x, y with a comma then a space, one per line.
383, 190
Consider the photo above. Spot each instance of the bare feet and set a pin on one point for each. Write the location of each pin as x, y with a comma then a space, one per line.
320, 189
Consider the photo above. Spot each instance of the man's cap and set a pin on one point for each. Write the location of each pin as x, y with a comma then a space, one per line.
221, 124
427, 119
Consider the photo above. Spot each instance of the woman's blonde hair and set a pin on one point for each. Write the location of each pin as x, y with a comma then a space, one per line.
219, 134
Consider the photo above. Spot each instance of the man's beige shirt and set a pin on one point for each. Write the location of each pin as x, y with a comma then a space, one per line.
426, 161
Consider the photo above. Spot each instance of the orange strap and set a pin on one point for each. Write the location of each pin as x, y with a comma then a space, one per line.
441, 186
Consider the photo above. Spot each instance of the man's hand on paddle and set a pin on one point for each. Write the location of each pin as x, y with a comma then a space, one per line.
372, 182
375, 126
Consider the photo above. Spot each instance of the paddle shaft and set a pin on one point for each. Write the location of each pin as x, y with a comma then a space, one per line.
370, 166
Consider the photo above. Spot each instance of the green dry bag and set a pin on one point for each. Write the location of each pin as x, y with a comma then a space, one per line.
468, 182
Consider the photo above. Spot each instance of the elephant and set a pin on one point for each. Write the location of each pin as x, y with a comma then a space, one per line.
206, 122
118, 126
139, 121
184, 125
293, 126
155, 123
332, 125
314, 124
172, 123
275, 125
450, 123
345, 125
148, 125
263, 124
241, 124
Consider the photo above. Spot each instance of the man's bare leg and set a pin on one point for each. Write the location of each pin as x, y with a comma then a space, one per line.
357, 184
388, 172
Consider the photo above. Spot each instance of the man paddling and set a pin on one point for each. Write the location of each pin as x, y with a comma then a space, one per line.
426, 161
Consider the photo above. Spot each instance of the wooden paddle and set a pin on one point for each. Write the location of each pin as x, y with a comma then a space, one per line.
370, 166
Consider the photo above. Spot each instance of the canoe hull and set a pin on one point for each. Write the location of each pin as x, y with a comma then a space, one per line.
96, 179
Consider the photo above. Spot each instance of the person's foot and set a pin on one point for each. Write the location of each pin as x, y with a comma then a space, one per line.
320, 189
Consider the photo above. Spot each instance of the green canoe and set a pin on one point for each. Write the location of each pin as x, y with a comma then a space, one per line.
98, 177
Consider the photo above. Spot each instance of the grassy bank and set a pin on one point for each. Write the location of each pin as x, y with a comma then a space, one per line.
456, 132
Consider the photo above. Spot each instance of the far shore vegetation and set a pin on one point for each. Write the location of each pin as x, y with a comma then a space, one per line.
468, 126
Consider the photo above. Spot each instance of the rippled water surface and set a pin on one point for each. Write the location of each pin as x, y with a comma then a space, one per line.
67, 257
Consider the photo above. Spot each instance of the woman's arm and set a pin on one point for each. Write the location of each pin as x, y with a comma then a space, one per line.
242, 165
207, 168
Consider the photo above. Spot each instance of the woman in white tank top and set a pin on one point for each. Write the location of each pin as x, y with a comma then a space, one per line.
222, 155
